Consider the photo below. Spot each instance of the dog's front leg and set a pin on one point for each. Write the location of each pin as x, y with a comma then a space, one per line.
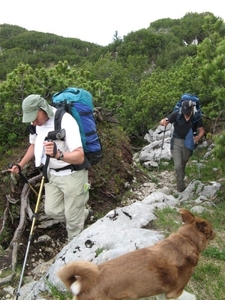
161, 297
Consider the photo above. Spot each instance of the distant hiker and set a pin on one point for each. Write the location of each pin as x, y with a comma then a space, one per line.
67, 189
188, 130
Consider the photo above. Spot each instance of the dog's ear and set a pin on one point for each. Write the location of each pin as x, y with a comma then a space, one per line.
206, 228
186, 215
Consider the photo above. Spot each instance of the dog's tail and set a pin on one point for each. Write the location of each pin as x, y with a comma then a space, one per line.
79, 276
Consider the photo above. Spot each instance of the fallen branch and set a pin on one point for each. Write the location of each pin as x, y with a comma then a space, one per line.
24, 211
5, 217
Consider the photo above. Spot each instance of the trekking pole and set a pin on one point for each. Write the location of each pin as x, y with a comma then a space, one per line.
24, 178
199, 171
198, 167
164, 133
198, 163
32, 227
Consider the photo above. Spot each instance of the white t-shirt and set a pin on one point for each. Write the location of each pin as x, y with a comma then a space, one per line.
72, 140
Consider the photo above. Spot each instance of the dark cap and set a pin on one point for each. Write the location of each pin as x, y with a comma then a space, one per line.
186, 107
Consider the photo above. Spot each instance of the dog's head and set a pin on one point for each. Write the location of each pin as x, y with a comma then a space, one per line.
200, 231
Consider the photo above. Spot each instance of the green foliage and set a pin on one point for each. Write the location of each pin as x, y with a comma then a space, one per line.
219, 150
99, 251
214, 252
40, 49
208, 280
137, 80
142, 42
56, 294
108, 176
167, 219
198, 169
9, 31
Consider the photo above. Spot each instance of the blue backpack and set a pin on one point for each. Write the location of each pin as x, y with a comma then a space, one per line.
194, 99
78, 102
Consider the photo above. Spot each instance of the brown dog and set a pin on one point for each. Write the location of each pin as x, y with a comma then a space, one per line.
163, 269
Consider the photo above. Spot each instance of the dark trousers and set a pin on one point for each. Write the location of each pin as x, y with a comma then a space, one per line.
181, 155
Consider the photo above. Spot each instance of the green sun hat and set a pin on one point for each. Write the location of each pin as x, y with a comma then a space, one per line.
32, 104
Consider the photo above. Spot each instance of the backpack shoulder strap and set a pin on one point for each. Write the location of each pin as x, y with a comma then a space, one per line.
178, 115
58, 118
197, 117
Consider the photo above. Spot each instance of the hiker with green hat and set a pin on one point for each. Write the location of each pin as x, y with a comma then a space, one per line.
188, 130
66, 192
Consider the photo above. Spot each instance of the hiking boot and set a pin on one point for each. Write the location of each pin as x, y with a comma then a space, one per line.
181, 189
90, 216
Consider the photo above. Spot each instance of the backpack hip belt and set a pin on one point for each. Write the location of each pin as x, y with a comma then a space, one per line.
85, 165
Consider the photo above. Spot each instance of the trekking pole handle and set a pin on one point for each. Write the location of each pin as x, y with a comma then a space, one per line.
47, 139
164, 132
45, 168
23, 177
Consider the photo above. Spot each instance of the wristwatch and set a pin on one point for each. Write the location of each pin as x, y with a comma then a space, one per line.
60, 155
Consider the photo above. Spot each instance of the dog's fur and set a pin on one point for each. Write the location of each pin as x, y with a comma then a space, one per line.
163, 269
